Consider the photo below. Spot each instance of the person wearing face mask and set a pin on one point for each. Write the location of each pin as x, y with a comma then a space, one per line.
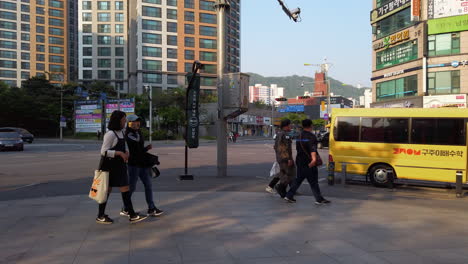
137, 164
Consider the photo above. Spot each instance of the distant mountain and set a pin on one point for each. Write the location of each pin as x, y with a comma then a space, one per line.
292, 85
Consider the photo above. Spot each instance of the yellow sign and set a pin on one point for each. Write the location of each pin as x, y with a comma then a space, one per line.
393, 39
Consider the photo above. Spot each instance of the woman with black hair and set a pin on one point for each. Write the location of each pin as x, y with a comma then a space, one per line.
116, 158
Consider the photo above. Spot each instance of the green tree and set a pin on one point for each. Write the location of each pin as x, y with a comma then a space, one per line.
172, 117
318, 123
98, 87
295, 118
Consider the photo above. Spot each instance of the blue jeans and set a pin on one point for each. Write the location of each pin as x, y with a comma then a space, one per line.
311, 174
145, 176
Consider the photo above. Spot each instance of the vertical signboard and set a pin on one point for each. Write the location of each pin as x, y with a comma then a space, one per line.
193, 120
415, 10
88, 116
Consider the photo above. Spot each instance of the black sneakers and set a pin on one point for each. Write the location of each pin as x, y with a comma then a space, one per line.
137, 218
155, 212
280, 191
105, 220
324, 201
289, 200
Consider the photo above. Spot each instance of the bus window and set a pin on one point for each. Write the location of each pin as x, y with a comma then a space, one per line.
432, 131
348, 129
384, 130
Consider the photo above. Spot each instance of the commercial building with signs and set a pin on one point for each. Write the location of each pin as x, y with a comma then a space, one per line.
33, 40
419, 49
132, 44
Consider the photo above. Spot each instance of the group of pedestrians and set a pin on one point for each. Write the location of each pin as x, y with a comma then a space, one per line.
306, 163
126, 167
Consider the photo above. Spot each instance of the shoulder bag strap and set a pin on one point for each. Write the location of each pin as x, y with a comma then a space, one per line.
303, 148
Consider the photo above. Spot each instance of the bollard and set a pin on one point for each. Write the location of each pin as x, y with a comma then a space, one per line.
331, 173
343, 174
459, 184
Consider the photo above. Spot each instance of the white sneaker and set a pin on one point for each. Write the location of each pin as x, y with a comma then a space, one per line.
270, 190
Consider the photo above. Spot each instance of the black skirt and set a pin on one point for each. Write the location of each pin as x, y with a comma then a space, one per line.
118, 174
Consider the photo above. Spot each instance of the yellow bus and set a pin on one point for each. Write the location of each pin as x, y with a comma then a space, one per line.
414, 144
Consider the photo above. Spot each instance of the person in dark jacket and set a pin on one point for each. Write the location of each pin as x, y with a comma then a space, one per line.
138, 166
306, 161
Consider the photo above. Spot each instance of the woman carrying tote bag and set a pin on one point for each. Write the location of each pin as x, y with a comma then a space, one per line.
115, 161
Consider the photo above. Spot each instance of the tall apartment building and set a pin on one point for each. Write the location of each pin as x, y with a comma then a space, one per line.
33, 40
265, 94
73, 40
419, 53
161, 40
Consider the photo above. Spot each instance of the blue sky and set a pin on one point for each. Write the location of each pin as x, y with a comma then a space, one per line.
273, 45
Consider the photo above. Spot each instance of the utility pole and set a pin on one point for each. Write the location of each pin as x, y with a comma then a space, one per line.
149, 89
221, 6
272, 126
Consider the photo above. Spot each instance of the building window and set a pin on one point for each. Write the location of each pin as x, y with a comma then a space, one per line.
56, 31
40, 48
87, 51
206, 5
56, 50
8, 74
189, 16
171, 40
208, 81
55, 13
208, 31
152, 1
189, 29
40, 66
104, 74
104, 51
104, 5
40, 29
172, 66
8, 25
25, 8
56, 22
172, 27
188, 67
119, 51
189, 42
104, 17
87, 40
56, 4
7, 5
56, 41
56, 59
189, 54
119, 5
40, 20
171, 13
172, 2
25, 27
24, 46
394, 23
119, 40
151, 25
189, 4
104, 28
87, 28
208, 43
444, 44
151, 38
446, 82
40, 39
152, 78
88, 63
8, 64
208, 18
87, 5
55, 68
152, 65
399, 88
207, 56
7, 15
209, 68
119, 28
25, 75
151, 11
104, 63
7, 34
171, 79
104, 40
152, 52
119, 75
40, 11
7, 54
119, 17
88, 74
172, 53
24, 66
119, 63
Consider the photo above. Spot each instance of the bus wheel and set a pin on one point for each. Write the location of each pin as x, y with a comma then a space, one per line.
379, 175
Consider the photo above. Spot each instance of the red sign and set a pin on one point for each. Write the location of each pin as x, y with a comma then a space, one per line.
407, 151
416, 7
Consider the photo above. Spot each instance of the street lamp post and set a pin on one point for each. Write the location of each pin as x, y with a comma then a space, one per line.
272, 108
149, 89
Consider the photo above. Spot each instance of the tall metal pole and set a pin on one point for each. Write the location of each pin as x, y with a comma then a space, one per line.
61, 112
150, 96
272, 105
118, 98
221, 6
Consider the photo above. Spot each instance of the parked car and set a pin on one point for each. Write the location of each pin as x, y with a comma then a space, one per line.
10, 140
25, 135
323, 140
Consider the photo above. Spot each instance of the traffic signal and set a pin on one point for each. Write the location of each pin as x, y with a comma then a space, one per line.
281, 99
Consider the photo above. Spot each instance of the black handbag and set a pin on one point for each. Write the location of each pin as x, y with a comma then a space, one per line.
150, 160
105, 163
155, 172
